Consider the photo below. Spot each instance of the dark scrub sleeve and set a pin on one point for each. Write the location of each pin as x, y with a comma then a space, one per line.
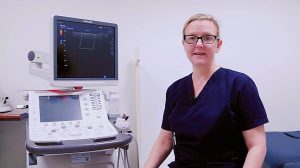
249, 108
169, 104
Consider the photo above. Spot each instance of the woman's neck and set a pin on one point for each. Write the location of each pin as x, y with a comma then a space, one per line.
204, 73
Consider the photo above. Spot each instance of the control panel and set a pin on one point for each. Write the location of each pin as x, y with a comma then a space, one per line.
55, 117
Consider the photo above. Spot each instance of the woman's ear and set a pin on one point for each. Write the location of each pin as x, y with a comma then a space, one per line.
219, 44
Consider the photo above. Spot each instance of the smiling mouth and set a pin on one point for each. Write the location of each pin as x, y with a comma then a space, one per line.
199, 53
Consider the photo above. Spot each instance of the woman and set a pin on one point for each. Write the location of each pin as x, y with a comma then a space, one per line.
214, 117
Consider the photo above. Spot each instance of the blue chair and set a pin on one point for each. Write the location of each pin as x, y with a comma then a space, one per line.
283, 150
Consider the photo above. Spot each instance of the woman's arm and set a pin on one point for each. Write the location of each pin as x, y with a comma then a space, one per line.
255, 140
160, 150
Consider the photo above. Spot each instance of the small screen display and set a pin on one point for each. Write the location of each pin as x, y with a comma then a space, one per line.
59, 108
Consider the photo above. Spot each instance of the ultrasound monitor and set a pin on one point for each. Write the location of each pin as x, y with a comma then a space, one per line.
85, 52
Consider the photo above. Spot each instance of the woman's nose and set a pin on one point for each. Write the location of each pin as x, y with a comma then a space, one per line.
199, 43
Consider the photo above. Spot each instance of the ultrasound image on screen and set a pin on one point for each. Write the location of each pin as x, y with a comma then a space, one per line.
85, 51
59, 108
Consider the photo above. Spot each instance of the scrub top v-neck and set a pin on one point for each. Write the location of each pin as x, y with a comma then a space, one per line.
204, 90
208, 128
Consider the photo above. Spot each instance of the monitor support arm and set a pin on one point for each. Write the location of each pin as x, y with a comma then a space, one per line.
39, 64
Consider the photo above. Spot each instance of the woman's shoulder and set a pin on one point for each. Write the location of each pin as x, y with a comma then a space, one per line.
182, 82
180, 85
236, 76
238, 80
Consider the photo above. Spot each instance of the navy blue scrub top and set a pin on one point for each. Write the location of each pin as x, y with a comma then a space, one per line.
208, 128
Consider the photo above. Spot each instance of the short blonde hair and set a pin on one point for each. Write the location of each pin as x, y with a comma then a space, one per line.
202, 17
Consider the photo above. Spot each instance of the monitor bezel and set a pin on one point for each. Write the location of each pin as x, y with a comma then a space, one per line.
82, 82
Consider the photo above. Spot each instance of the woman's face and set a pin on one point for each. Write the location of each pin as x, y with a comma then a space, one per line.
199, 53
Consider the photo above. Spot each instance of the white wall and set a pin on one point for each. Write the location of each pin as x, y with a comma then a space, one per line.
260, 39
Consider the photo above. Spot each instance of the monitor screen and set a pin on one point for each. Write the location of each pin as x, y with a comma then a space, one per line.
59, 108
85, 52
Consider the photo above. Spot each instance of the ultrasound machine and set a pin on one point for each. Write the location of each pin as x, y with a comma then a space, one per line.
70, 127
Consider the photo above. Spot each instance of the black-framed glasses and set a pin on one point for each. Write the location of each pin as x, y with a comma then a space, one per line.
206, 39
